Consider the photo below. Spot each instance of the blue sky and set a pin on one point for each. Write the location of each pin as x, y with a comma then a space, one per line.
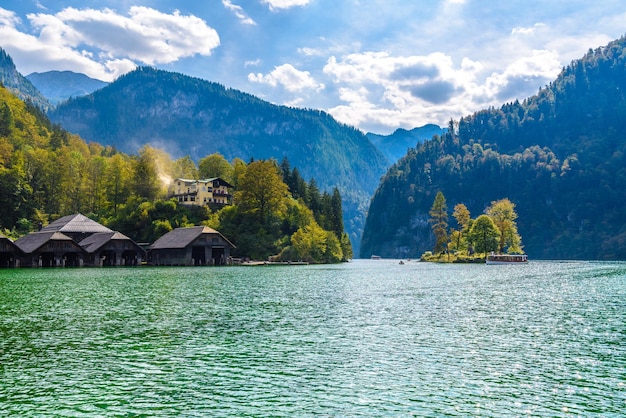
374, 64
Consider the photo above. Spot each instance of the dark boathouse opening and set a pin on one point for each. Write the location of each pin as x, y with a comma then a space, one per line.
218, 256
198, 254
71, 260
7, 259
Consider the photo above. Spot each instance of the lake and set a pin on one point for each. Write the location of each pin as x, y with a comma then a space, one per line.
365, 338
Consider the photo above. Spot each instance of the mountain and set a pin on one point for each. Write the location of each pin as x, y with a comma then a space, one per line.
560, 156
18, 84
190, 116
395, 146
58, 86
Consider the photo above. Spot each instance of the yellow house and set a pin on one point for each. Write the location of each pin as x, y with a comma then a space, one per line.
214, 191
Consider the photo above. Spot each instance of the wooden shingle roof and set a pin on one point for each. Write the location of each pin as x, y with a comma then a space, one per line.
98, 240
182, 237
76, 223
32, 242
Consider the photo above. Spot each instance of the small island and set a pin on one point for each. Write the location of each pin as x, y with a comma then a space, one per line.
494, 232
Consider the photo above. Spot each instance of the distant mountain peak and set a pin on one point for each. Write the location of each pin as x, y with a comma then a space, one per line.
59, 86
395, 145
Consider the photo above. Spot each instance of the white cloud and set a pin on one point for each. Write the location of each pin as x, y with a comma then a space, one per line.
252, 63
427, 79
381, 90
287, 76
536, 70
285, 4
102, 43
238, 11
310, 52
147, 35
528, 30
8, 18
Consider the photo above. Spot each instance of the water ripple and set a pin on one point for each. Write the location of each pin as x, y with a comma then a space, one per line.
360, 339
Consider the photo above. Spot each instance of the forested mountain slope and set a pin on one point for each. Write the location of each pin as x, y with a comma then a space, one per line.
46, 173
38, 163
18, 84
190, 116
560, 156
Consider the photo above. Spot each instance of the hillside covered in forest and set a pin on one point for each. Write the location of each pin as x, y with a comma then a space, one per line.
189, 116
46, 172
559, 156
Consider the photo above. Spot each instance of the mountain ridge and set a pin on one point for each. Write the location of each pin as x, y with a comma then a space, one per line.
58, 86
18, 84
189, 116
395, 145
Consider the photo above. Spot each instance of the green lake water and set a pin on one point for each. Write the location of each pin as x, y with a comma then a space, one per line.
366, 338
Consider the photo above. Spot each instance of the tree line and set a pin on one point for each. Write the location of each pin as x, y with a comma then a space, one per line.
493, 231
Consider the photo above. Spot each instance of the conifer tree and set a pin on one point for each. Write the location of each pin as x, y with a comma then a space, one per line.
6, 120
336, 214
439, 221
299, 186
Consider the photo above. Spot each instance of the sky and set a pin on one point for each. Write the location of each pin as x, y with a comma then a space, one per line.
377, 65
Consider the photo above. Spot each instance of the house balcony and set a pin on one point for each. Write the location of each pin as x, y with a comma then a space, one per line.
186, 197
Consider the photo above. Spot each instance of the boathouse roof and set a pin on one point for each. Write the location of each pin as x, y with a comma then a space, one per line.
182, 237
76, 223
32, 242
98, 240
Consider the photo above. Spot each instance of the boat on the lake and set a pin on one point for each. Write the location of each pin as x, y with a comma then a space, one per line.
506, 259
